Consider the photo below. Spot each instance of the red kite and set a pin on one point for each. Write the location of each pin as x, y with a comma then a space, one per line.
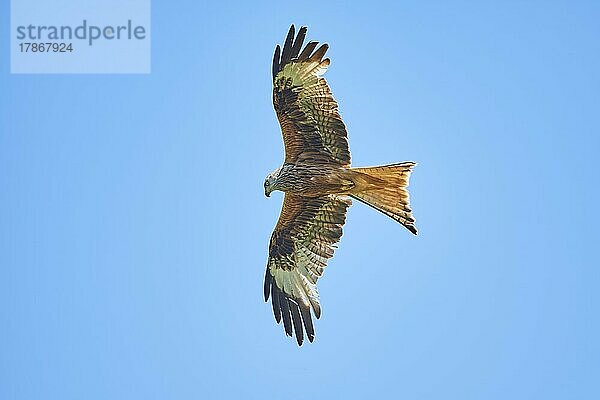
318, 183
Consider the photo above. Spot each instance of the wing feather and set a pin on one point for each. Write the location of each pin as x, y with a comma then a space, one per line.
287, 47
304, 238
307, 320
298, 42
297, 319
275, 302
318, 55
308, 49
312, 128
276, 60
285, 311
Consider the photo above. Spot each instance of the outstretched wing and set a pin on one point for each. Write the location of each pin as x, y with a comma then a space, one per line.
313, 131
304, 238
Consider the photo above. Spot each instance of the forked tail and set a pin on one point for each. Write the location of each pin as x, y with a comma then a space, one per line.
385, 189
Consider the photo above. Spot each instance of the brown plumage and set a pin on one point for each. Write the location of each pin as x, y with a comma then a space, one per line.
318, 182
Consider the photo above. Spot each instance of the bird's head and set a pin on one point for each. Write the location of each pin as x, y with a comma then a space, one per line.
271, 182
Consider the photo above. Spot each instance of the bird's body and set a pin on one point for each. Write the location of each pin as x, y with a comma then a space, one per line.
318, 181
311, 180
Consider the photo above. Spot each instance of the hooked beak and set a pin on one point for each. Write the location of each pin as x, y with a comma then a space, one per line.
267, 193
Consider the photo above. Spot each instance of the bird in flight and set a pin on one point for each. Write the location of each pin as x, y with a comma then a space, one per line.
318, 183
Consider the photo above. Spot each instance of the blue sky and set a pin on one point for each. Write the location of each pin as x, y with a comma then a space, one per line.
134, 228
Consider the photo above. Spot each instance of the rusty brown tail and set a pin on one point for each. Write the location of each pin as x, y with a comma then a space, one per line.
385, 189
